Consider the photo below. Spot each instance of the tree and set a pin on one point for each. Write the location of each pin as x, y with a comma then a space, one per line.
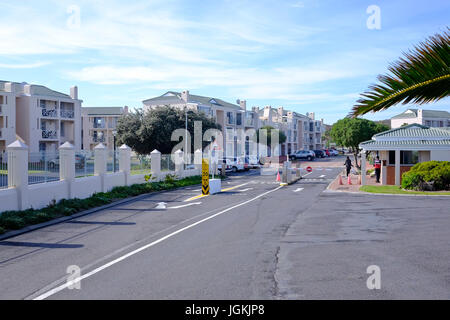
265, 134
350, 132
146, 131
421, 76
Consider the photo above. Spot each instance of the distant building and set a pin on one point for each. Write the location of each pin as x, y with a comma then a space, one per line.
429, 118
43, 118
99, 124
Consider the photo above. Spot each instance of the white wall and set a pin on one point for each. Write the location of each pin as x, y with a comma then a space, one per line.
42, 194
86, 187
440, 155
8, 199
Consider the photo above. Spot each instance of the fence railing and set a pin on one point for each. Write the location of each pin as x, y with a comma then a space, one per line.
84, 164
167, 163
112, 162
49, 134
43, 167
140, 164
3, 170
53, 113
67, 114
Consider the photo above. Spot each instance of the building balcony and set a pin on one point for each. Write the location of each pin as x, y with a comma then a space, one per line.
98, 139
99, 126
67, 114
49, 113
49, 134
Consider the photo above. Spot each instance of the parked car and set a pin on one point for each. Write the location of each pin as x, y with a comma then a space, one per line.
304, 154
319, 154
253, 161
333, 152
327, 153
232, 164
79, 162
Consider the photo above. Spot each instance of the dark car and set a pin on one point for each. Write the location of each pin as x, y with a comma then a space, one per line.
319, 153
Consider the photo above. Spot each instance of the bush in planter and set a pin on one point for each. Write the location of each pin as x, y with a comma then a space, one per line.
430, 175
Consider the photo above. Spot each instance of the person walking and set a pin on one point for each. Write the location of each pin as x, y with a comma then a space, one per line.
348, 165
377, 166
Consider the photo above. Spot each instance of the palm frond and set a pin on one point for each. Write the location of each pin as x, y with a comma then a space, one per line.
421, 76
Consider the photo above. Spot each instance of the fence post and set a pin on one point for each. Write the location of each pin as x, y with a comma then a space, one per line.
125, 162
67, 166
179, 163
198, 156
155, 157
100, 162
18, 172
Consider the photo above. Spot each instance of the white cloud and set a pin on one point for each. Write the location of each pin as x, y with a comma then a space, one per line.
24, 65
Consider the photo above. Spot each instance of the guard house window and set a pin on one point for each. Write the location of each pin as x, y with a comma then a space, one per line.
239, 119
406, 157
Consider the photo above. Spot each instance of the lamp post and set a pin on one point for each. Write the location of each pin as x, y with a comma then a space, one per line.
114, 152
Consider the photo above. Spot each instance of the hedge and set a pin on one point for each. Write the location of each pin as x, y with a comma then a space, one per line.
428, 176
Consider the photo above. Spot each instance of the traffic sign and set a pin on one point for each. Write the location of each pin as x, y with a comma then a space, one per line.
309, 169
205, 177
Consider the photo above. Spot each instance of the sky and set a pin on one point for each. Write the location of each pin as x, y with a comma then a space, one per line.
307, 56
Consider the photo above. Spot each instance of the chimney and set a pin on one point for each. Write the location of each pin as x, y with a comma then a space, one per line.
27, 89
243, 104
419, 113
74, 92
185, 95
125, 110
280, 111
310, 115
9, 87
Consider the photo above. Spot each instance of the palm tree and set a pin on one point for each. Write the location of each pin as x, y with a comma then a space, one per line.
421, 76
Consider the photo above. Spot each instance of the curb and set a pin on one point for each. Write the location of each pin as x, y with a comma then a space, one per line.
386, 194
34, 227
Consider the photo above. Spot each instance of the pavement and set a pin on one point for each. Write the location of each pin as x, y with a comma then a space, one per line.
255, 241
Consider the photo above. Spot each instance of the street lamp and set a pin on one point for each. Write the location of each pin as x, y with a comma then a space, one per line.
114, 153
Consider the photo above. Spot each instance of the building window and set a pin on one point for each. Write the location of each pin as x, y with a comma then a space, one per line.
239, 119
406, 157
230, 118
63, 129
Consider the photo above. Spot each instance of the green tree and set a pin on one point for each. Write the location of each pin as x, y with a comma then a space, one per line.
146, 131
265, 134
350, 132
421, 76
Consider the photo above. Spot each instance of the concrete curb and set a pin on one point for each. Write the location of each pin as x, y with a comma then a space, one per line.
34, 227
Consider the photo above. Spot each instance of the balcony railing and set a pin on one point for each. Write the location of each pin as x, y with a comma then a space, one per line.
70, 114
49, 134
0, 108
49, 113
99, 125
97, 139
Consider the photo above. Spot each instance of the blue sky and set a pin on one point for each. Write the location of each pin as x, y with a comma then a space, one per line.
308, 55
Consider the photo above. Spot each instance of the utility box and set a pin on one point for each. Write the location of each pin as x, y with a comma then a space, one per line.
215, 186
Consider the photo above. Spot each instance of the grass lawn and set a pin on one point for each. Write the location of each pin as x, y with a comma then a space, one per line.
398, 190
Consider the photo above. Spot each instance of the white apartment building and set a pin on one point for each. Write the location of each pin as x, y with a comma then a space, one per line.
302, 132
43, 118
99, 125
230, 117
429, 118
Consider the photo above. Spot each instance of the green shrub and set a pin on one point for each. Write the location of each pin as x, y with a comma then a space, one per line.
430, 175
2, 230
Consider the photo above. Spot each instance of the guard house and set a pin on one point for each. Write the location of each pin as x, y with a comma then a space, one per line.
399, 149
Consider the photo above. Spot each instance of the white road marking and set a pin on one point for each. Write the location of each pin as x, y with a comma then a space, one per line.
244, 190
132, 253
322, 176
161, 205
298, 189
185, 205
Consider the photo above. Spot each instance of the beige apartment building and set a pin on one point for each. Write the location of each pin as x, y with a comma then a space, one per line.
99, 125
429, 118
43, 118
231, 117
302, 132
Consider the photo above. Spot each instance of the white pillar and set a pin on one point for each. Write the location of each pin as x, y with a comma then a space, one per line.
363, 167
155, 156
18, 172
397, 167
100, 162
67, 166
198, 160
179, 163
125, 162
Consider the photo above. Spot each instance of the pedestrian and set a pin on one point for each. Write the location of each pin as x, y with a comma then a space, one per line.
348, 165
377, 166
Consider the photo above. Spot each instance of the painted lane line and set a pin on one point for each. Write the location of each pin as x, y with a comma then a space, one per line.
185, 205
244, 190
322, 176
132, 253
223, 190
298, 189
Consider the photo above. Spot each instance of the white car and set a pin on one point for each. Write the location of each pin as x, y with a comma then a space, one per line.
333, 152
253, 161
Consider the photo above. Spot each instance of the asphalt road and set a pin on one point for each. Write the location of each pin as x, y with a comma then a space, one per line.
255, 241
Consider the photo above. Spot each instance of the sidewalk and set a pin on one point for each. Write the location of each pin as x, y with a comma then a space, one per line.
354, 187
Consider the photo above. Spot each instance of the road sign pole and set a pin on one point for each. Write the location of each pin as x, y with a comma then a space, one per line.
205, 176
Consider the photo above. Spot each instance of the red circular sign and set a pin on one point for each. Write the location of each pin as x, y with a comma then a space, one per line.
309, 169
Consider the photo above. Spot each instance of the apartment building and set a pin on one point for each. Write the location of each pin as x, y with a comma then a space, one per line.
43, 118
302, 132
99, 125
429, 118
231, 117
